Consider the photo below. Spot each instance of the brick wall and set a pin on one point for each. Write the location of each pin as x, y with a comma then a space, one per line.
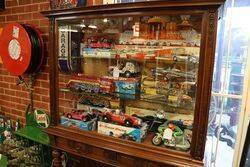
14, 99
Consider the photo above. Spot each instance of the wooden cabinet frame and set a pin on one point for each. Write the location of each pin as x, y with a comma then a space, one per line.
111, 150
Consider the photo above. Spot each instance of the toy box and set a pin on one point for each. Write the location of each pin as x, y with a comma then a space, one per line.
123, 132
127, 85
89, 126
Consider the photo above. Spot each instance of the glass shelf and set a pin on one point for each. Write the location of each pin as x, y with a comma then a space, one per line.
158, 99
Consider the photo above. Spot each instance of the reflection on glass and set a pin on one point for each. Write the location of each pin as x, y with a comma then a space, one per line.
229, 72
131, 72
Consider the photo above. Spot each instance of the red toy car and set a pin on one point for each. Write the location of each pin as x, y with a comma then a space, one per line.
79, 115
122, 119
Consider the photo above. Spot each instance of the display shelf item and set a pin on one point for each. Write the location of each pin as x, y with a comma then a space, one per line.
123, 132
89, 125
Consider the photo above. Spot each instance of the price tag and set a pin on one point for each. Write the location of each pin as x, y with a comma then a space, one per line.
167, 134
15, 32
116, 72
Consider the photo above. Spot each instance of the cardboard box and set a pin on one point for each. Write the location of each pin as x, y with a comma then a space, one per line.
89, 126
127, 85
129, 133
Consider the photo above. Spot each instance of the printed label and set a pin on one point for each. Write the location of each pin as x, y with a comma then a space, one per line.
15, 32
14, 49
63, 42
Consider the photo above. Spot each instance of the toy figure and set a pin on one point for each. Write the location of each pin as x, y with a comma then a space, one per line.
17, 125
127, 69
8, 125
2, 125
176, 130
172, 135
7, 134
161, 114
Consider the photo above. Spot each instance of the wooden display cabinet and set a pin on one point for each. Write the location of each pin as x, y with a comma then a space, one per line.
173, 41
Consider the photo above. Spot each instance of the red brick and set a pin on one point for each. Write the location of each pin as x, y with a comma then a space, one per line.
31, 8
16, 112
22, 94
24, 2
5, 97
37, 16
44, 29
16, 87
21, 107
25, 101
43, 76
16, 99
1, 90
44, 6
45, 99
3, 72
10, 92
6, 103
37, 97
8, 79
32, 22
41, 105
44, 22
2, 18
10, 3
16, 10
12, 18
44, 84
6, 109
24, 16
39, 1
42, 91
4, 85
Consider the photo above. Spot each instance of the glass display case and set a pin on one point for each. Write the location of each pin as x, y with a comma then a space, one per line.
132, 82
136, 72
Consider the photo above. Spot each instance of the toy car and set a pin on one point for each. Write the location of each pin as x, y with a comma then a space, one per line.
176, 74
122, 119
95, 101
91, 84
84, 83
187, 58
79, 115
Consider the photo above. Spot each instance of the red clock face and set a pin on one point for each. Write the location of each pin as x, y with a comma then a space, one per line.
15, 49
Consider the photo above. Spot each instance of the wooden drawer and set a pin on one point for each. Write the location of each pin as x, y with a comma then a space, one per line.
101, 156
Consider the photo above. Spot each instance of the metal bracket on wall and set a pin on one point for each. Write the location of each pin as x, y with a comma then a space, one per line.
29, 87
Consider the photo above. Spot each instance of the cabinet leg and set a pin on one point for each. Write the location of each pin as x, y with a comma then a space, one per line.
56, 158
